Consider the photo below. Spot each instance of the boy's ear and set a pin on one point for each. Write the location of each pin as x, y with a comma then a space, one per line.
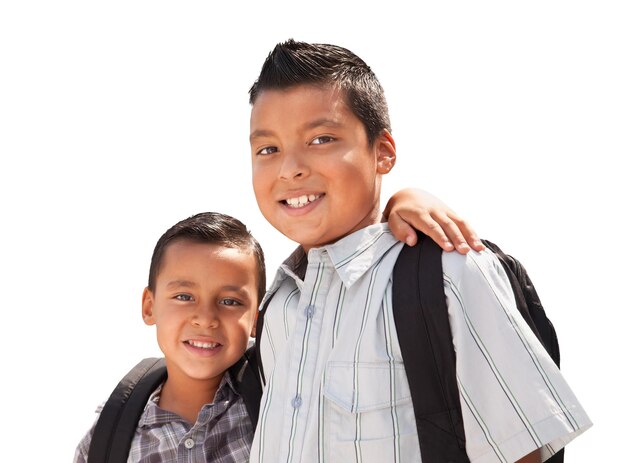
385, 152
147, 302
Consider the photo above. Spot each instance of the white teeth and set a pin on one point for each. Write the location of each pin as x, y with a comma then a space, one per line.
301, 201
203, 345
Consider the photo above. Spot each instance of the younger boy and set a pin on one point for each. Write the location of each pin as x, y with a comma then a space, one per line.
207, 276
336, 387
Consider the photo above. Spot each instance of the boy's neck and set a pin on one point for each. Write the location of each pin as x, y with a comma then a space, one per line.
376, 218
187, 397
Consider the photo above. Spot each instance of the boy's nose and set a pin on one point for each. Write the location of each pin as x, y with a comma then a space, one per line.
205, 317
293, 166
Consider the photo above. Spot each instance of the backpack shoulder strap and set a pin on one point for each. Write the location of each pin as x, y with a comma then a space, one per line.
423, 328
115, 429
259, 332
246, 376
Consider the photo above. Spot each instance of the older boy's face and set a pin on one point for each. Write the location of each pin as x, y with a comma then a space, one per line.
204, 307
315, 177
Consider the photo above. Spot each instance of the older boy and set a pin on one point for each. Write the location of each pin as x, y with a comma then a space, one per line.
337, 391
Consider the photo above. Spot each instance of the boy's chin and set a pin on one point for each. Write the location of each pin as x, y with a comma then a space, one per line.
309, 242
309, 235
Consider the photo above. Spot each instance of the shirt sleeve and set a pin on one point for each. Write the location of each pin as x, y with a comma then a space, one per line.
514, 399
82, 450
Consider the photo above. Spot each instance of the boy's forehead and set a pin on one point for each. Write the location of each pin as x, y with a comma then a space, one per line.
186, 249
187, 256
310, 104
329, 92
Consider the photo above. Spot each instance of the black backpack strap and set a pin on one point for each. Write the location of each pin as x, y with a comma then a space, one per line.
259, 332
423, 329
246, 376
115, 429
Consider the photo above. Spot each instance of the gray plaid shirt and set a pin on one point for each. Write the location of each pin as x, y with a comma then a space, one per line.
222, 433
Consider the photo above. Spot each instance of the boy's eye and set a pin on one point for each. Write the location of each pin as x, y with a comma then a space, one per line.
322, 140
184, 297
267, 150
230, 302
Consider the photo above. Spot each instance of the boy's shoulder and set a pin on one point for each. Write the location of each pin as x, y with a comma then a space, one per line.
133, 403
475, 276
458, 267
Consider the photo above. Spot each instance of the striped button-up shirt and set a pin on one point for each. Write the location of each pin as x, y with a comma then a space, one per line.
337, 390
222, 433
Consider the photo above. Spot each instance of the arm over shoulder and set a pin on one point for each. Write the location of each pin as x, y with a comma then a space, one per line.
514, 398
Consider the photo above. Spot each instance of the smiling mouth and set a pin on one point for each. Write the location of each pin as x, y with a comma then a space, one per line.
202, 345
301, 201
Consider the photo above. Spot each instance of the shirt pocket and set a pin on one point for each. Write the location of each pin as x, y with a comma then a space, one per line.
366, 402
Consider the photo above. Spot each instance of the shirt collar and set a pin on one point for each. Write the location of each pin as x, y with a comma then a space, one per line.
153, 414
355, 254
351, 256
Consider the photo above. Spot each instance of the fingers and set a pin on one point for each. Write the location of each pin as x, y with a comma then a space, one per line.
411, 209
443, 233
446, 229
402, 230
460, 232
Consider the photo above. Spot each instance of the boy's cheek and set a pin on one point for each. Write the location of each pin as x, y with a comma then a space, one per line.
250, 324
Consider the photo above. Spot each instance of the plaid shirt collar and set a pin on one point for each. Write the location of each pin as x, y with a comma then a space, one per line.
155, 415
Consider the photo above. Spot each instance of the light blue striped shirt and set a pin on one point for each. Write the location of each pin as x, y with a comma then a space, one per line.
337, 390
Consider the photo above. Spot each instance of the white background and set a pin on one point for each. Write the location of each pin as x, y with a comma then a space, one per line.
119, 118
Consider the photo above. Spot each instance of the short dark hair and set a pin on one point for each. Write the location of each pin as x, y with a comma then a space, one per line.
294, 63
209, 228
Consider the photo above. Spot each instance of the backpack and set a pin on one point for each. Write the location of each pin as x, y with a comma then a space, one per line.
115, 429
421, 318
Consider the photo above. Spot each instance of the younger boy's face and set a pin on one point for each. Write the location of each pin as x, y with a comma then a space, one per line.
204, 307
315, 177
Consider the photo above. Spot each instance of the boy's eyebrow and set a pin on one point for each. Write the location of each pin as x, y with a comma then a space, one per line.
260, 133
322, 121
183, 283
191, 284
235, 288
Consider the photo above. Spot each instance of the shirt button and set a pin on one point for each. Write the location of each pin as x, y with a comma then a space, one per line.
296, 402
189, 443
309, 311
